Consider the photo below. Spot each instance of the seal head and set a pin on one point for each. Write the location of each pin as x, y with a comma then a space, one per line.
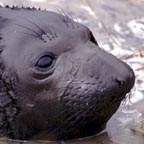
54, 77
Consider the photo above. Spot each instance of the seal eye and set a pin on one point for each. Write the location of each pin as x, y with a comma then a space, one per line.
45, 61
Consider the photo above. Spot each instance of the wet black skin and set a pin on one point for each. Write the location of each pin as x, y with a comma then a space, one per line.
54, 78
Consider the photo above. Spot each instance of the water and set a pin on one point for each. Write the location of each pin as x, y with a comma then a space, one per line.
118, 26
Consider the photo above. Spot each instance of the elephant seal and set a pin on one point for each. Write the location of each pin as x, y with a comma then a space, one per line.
54, 78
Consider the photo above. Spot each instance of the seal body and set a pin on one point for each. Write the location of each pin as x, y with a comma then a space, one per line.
54, 78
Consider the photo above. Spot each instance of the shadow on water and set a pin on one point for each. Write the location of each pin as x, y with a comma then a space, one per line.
118, 26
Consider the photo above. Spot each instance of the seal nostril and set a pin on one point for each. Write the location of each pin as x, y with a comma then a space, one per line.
121, 83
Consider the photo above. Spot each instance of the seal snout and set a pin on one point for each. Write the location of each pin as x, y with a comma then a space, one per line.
116, 72
127, 81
